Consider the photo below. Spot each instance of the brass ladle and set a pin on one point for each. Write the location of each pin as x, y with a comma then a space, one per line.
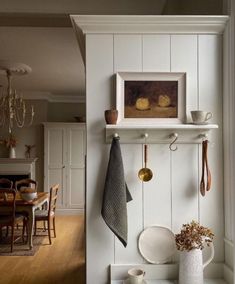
145, 174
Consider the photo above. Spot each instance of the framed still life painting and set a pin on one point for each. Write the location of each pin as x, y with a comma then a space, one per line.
151, 97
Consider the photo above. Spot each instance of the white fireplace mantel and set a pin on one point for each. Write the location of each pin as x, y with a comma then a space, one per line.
18, 166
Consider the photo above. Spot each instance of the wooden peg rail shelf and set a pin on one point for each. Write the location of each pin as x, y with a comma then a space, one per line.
159, 134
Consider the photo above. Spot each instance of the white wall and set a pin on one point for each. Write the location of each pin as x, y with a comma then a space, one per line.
172, 197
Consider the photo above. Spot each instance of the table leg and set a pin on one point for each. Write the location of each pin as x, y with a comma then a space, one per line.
30, 227
31, 214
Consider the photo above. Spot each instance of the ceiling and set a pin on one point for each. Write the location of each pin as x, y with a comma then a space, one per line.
54, 56
42, 37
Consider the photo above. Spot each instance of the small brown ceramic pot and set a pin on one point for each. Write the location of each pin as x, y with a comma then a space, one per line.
111, 116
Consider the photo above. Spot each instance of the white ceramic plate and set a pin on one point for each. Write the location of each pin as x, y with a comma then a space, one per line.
157, 244
128, 282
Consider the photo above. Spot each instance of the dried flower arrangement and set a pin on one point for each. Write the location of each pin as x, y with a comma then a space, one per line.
193, 236
9, 142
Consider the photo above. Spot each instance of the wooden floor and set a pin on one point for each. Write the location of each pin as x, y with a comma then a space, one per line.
61, 262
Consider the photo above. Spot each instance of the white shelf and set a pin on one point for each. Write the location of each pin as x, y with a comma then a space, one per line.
207, 281
160, 134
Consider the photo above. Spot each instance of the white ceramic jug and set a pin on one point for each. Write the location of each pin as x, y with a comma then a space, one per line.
12, 152
191, 266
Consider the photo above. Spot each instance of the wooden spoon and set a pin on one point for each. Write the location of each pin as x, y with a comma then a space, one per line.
208, 172
202, 183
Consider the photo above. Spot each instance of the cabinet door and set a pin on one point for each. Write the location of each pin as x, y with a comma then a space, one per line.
75, 168
55, 145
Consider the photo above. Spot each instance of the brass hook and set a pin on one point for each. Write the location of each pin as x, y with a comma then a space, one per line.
174, 137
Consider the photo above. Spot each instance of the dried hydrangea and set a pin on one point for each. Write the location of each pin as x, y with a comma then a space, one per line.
9, 142
193, 236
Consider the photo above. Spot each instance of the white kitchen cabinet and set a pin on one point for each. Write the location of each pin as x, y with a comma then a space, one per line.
64, 163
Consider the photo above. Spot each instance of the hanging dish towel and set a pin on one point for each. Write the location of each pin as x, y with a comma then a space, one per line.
116, 194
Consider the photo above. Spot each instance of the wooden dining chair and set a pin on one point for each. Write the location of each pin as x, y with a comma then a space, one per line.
27, 182
48, 215
6, 183
8, 215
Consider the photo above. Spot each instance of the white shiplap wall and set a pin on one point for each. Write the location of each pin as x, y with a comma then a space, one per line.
172, 197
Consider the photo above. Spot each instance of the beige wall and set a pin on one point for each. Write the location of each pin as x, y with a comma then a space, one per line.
65, 111
33, 135
113, 7
190, 7
83, 6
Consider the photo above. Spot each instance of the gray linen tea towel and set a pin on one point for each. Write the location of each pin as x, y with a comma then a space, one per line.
116, 194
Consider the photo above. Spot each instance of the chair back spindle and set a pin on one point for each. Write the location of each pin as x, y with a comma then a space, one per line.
26, 183
53, 198
6, 183
8, 203
48, 215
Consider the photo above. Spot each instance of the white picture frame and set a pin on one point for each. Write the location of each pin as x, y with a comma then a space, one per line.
151, 97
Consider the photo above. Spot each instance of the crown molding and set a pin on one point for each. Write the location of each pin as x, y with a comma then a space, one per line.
150, 24
116, 24
54, 98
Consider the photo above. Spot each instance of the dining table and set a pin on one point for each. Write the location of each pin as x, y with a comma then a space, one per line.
29, 208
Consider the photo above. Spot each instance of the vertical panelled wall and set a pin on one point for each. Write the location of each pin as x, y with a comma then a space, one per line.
171, 198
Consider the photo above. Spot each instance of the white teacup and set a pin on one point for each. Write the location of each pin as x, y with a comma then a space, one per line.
200, 116
136, 276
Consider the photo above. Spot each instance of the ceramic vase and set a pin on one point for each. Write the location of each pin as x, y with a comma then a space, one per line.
191, 266
12, 152
111, 116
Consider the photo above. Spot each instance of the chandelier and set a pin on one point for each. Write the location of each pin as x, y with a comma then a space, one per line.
13, 110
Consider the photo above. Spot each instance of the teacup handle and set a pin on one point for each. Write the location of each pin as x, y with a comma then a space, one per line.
208, 116
211, 255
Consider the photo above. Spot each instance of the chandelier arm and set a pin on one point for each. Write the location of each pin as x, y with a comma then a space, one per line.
10, 123
12, 107
19, 121
31, 119
29, 114
22, 121
18, 101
